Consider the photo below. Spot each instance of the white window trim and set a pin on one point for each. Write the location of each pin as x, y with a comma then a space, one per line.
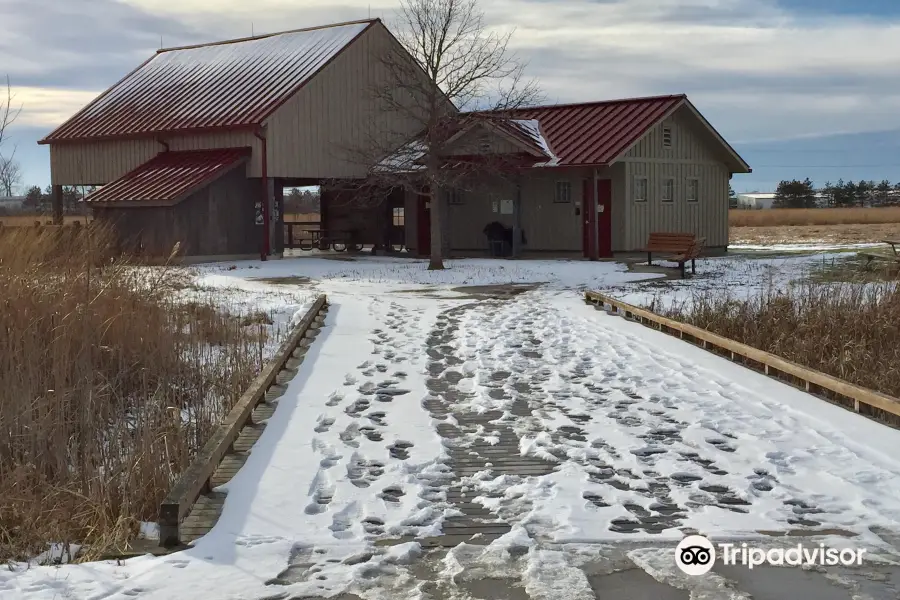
696, 181
456, 197
556, 199
634, 196
670, 136
662, 190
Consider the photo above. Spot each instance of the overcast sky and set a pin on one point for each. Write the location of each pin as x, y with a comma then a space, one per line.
762, 71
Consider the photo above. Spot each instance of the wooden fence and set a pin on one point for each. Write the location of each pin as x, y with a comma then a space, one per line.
878, 406
196, 479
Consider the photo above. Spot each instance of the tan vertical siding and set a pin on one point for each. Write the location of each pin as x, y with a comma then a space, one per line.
693, 154
469, 143
707, 218
317, 132
99, 163
466, 221
688, 143
617, 173
549, 226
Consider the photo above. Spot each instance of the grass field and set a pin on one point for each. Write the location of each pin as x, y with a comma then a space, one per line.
28, 220
826, 323
813, 216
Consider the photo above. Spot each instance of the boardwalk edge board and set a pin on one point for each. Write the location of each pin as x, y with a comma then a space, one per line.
880, 407
196, 479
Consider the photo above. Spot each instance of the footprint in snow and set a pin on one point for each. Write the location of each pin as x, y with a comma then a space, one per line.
392, 494
324, 424
399, 449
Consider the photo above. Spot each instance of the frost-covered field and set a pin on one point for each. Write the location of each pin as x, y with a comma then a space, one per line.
643, 437
739, 275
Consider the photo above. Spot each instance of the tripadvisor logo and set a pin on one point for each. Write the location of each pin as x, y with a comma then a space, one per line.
696, 555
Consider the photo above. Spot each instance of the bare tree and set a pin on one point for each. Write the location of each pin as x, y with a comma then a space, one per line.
10, 171
459, 64
10, 175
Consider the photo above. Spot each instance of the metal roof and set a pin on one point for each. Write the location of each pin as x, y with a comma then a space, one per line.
597, 133
169, 177
229, 85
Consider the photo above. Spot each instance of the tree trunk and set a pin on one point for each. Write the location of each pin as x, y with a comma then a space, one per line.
436, 263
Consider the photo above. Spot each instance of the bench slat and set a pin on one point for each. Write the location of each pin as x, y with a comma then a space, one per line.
664, 241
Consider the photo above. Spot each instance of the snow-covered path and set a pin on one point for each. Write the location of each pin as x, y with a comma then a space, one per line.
656, 434
590, 430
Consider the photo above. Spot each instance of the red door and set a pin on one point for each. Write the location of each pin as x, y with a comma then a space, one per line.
423, 225
603, 219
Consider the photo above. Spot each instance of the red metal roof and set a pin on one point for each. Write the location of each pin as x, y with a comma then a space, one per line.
596, 133
230, 84
169, 177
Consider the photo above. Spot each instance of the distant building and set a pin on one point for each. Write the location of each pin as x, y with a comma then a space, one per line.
12, 203
755, 200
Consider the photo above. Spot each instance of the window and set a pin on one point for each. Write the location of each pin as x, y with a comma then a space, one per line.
484, 143
456, 196
667, 137
563, 192
398, 218
692, 193
668, 190
640, 189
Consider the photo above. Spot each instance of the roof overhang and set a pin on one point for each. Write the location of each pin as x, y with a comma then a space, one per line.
168, 178
249, 127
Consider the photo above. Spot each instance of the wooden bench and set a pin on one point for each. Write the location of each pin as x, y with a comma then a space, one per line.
677, 247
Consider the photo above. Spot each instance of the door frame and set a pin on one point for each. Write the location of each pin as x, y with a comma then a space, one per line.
597, 193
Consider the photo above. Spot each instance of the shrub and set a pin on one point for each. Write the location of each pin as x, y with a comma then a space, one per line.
109, 383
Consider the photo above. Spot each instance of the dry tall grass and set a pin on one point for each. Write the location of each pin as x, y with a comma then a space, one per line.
108, 385
847, 330
30, 220
813, 216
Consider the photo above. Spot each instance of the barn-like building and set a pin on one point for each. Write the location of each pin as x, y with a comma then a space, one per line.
197, 144
651, 164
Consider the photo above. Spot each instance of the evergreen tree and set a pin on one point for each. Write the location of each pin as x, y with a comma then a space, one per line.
883, 192
795, 194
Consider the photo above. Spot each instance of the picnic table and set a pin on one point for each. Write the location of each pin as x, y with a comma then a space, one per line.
894, 255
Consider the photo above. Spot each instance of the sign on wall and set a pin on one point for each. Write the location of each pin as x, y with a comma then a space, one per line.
506, 207
258, 207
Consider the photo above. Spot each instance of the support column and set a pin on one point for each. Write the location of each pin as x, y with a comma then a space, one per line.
56, 199
323, 216
595, 218
277, 213
517, 219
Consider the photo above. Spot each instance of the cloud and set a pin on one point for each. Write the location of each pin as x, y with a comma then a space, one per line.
758, 69
48, 107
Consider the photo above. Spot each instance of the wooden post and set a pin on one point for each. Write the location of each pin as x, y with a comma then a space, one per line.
278, 218
324, 196
517, 219
56, 199
595, 220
